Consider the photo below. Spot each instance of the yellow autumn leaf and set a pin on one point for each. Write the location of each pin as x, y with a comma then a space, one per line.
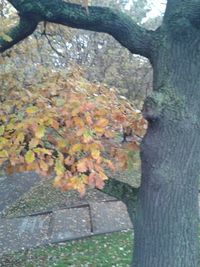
102, 123
75, 148
32, 166
2, 129
93, 146
61, 143
33, 143
40, 131
99, 130
103, 176
59, 168
3, 142
10, 126
75, 111
19, 138
95, 154
42, 150
109, 164
29, 156
57, 181
43, 166
32, 109
3, 154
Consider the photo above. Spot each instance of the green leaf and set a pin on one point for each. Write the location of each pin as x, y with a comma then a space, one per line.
59, 168
60, 102
6, 37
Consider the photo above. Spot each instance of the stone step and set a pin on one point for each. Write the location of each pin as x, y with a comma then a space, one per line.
62, 225
21, 233
109, 216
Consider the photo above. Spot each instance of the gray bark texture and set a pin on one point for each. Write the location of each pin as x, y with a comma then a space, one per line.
166, 218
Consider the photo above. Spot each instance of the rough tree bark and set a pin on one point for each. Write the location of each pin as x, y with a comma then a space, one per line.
166, 220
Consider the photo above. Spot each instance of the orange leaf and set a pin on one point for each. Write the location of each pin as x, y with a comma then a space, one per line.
88, 119
82, 165
79, 122
55, 124
91, 179
69, 161
99, 183
102, 123
119, 117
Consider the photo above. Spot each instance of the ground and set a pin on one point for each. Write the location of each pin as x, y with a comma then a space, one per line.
101, 250
44, 197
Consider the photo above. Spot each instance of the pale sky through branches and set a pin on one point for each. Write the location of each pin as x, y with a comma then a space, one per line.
157, 7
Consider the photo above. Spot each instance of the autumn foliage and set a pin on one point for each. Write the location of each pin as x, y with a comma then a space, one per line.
68, 126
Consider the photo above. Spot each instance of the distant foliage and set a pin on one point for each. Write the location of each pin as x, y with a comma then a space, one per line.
68, 126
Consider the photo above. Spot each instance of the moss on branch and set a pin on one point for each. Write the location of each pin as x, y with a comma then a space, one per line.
121, 191
23, 29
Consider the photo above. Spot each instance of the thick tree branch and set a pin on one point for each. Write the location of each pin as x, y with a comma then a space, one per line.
121, 191
24, 28
185, 12
101, 19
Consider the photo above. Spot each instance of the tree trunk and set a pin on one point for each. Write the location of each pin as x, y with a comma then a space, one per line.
167, 216
166, 223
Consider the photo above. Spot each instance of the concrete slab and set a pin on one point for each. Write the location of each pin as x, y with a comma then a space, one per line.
13, 186
70, 224
109, 217
27, 232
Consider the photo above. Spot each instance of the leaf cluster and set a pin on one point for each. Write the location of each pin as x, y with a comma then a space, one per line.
68, 126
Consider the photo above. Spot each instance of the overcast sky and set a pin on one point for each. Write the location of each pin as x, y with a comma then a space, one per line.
157, 7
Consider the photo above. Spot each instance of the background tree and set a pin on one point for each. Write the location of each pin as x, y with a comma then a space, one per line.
166, 219
55, 46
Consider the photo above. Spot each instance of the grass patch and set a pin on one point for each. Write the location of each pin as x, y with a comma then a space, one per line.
110, 250
98, 251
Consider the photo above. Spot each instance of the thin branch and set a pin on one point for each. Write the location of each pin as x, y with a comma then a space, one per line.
52, 47
101, 19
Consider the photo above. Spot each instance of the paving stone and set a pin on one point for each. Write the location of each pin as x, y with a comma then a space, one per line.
13, 186
26, 232
70, 224
109, 217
